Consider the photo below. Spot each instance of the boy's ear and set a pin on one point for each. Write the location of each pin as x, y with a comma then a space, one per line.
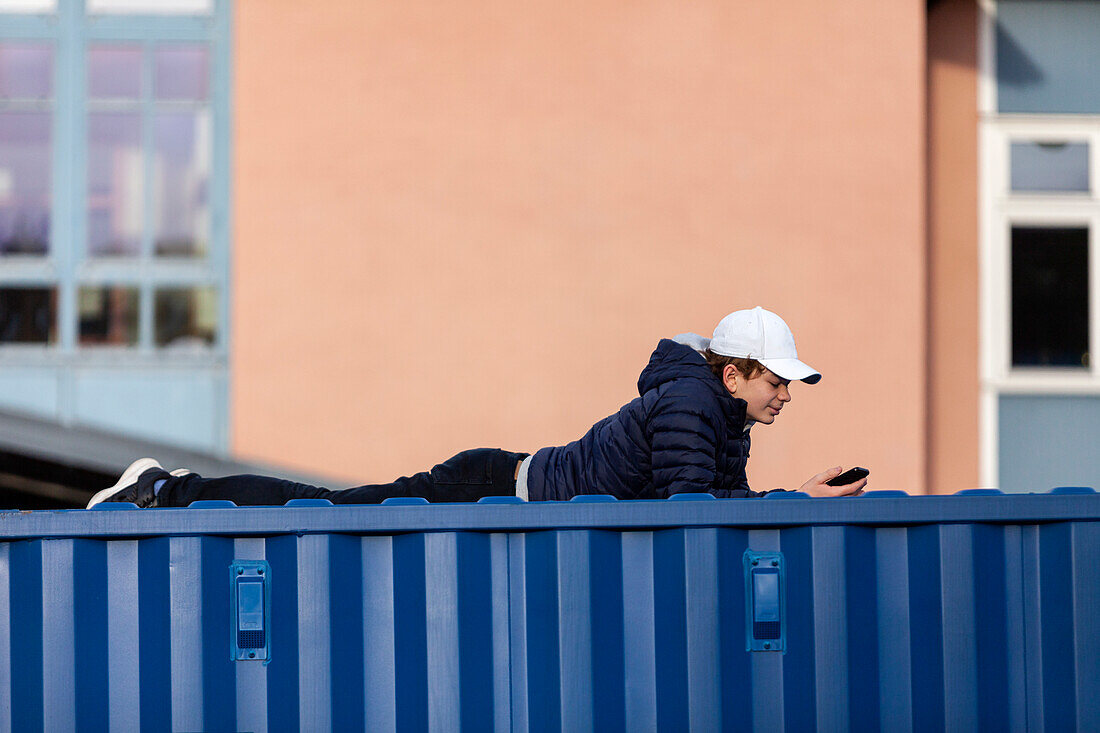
729, 377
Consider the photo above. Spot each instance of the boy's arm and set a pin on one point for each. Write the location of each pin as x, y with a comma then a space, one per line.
683, 455
742, 489
683, 438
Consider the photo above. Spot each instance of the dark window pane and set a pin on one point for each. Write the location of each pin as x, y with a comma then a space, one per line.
24, 182
114, 72
1050, 166
114, 183
182, 170
1050, 296
108, 315
28, 315
182, 72
26, 70
186, 317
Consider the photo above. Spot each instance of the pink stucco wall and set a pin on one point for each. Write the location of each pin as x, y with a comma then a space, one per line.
953, 245
466, 224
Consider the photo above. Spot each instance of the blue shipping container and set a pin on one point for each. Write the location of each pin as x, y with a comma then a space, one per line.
965, 612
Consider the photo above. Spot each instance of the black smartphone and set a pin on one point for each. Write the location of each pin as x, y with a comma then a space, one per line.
848, 477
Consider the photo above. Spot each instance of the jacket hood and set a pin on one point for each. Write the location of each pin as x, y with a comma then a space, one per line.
672, 360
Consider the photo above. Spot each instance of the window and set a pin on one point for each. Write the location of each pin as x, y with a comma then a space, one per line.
28, 315
113, 213
26, 88
1040, 133
1049, 167
1050, 297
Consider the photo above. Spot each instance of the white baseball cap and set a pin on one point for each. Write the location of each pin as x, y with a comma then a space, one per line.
762, 335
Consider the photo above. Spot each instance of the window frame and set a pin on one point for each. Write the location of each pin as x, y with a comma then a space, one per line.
999, 211
66, 266
65, 372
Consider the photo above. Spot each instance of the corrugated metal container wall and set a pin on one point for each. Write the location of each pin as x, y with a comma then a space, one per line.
893, 613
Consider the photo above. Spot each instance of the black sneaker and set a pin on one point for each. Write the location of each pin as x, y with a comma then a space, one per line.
130, 487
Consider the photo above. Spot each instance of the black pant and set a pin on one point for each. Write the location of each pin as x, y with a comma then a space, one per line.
468, 476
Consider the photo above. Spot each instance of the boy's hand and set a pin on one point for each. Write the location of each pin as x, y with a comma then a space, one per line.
817, 486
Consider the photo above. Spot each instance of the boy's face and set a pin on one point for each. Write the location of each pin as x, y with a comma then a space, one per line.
765, 394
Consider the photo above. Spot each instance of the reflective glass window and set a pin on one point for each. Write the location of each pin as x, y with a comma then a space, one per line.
114, 171
1050, 296
1047, 56
1049, 167
28, 315
182, 174
1047, 440
26, 146
115, 193
114, 72
26, 70
186, 317
25, 163
181, 72
108, 315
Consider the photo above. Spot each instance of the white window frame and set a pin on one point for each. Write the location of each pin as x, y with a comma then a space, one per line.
999, 211
66, 268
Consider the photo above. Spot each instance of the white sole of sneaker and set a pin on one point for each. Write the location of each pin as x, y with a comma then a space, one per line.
128, 477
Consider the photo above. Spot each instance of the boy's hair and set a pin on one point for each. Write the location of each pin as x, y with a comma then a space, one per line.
718, 363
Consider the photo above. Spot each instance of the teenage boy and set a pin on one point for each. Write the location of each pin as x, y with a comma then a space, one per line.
687, 431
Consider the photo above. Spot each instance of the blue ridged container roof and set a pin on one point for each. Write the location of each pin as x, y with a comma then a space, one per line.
972, 611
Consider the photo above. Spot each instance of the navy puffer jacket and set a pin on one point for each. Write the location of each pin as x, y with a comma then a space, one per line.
684, 433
